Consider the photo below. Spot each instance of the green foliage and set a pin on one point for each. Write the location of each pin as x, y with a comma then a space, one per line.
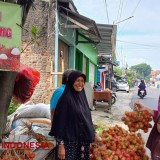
34, 32
143, 71
131, 76
118, 71
35, 38
12, 108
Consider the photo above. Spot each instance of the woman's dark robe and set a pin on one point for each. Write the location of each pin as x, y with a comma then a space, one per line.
72, 119
153, 142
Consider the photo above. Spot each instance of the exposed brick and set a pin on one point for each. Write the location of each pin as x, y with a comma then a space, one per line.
39, 56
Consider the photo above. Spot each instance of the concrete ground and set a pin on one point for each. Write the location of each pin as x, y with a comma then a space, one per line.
124, 103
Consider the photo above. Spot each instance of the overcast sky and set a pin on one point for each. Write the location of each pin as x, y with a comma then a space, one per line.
138, 38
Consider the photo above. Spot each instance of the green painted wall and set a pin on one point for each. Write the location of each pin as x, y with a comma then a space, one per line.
88, 50
72, 57
87, 75
77, 52
68, 35
79, 61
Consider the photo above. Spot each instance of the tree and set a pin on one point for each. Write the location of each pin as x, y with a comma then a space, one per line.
131, 77
118, 71
143, 71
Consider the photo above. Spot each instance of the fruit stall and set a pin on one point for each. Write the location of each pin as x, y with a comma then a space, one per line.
122, 144
118, 143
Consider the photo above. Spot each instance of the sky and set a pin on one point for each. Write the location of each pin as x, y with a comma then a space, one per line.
138, 38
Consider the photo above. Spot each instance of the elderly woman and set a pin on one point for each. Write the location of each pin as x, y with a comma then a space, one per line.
72, 124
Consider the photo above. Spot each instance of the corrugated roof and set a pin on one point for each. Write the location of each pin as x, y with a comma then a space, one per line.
87, 26
103, 35
108, 39
69, 3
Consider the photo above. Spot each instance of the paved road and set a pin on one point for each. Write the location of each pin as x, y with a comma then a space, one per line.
150, 100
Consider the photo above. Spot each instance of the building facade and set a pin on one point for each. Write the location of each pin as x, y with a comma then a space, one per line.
62, 42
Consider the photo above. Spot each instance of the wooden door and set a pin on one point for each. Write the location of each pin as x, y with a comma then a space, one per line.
63, 52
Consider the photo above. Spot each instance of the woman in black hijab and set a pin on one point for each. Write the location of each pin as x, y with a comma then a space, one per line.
73, 127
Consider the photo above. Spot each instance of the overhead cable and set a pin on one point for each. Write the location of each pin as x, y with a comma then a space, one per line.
138, 44
106, 10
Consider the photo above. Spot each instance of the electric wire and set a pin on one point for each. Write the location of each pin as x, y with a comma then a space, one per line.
140, 48
126, 4
121, 10
118, 12
136, 7
106, 10
132, 13
138, 44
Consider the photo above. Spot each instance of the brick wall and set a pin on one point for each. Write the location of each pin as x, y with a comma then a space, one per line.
39, 56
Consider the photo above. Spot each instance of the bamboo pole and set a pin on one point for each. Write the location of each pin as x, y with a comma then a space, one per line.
56, 73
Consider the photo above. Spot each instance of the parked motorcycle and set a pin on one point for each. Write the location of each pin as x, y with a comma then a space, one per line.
114, 97
141, 94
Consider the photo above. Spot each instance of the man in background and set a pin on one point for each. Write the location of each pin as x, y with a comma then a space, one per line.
58, 92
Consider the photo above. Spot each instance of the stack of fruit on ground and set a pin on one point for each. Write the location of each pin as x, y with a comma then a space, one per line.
120, 144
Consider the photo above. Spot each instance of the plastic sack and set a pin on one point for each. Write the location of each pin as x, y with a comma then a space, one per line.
26, 81
39, 110
40, 122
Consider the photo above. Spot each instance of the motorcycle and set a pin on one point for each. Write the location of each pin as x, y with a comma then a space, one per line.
114, 97
141, 94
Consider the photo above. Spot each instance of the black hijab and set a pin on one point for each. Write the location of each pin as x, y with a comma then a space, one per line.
72, 119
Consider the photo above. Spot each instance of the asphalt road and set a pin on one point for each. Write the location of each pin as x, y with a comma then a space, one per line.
151, 99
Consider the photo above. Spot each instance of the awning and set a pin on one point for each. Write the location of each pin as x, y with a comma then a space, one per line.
106, 47
86, 27
68, 4
102, 35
